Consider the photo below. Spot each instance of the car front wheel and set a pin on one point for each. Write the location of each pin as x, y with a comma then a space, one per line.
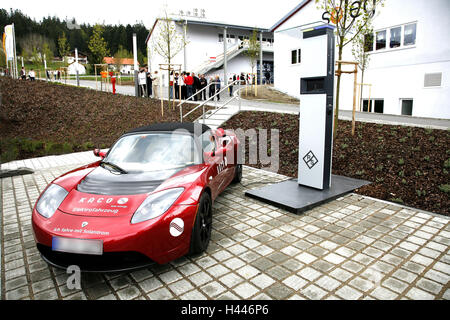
201, 234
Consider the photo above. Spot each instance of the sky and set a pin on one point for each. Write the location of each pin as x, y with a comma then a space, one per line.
262, 13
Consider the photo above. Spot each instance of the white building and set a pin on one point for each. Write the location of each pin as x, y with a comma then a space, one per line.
409, 62
126, 64
82, 57
204, 49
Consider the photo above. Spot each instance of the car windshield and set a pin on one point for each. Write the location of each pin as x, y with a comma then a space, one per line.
154, 152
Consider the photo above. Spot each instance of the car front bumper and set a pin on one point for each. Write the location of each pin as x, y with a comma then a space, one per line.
125, 246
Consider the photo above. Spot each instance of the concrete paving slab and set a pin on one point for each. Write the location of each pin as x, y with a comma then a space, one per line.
354, 247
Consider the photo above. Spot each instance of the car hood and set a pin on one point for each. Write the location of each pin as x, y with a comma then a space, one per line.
101, 193
101, 181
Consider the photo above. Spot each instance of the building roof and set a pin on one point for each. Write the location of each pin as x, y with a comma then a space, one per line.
80, 54
124, 61
210, 24
289, 15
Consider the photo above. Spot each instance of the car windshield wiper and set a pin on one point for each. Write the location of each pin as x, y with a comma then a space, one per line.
114, 166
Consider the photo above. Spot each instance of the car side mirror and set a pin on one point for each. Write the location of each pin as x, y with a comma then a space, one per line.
99, 153
220, 133
210, 154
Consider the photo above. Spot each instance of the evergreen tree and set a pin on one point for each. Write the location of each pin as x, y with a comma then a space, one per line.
97, 45
63, 46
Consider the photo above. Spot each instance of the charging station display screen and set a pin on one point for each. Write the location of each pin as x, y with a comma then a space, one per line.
312, 85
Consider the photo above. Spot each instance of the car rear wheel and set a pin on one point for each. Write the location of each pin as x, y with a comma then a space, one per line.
238, 173
201, 234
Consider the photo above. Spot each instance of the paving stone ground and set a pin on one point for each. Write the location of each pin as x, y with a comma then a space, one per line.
352, 248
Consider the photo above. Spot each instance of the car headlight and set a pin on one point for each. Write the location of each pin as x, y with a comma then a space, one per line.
51, 200
156, 204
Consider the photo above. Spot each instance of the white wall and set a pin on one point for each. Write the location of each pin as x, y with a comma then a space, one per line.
203, 43
394, 73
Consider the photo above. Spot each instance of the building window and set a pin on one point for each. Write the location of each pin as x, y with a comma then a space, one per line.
407, 107
379, 106
381, 40
368, 42
375, 105
220, 37
395, 37
410, 35
391, 38
231, 38
296, 56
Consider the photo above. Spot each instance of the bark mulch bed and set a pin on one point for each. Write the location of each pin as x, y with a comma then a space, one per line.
40, 118
407, 165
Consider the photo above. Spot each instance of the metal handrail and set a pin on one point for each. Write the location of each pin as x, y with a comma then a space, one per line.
235, 96
204, 102
192, 97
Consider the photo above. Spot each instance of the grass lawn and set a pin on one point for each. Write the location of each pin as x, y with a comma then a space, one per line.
40, 118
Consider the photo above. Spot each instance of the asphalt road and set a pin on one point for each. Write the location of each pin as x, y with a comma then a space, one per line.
293, 109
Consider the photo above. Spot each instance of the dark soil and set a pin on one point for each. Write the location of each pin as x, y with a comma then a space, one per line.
52, 118
406, 165
267, 93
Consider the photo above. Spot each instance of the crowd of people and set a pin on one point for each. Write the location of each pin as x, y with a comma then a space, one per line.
187, 85
184, 85
32, 74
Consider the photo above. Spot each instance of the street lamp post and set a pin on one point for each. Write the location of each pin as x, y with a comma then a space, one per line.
76, 67
136, 88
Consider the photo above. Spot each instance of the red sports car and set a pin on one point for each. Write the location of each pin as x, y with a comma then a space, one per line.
149, 199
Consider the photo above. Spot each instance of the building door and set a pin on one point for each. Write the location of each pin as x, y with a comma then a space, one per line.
267, 72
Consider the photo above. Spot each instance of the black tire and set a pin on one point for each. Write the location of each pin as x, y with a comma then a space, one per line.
237, 173
201, 233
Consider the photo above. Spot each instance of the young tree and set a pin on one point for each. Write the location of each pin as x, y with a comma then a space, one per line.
46, 52
351, 18
121, 54
63, 47
97, 45
168, 42
361, 48
253, 51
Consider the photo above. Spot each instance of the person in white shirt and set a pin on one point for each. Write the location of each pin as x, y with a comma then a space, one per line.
32, 75
142, 78
182, 86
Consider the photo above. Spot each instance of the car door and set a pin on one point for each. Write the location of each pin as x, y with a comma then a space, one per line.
209, 148
228, 159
